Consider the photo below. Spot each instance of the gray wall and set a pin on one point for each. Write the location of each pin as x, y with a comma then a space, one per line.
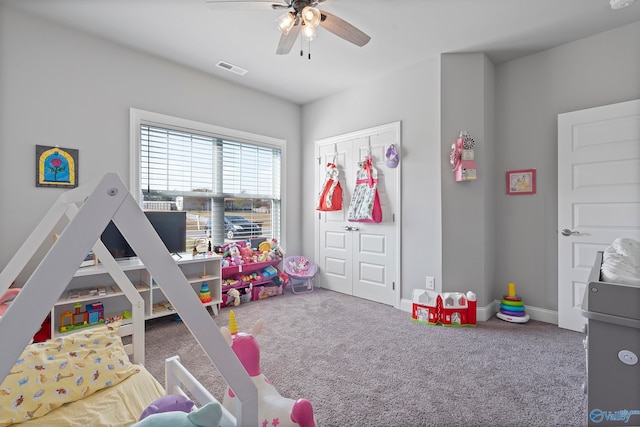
411, 96
530, 93
63, 87
467, 104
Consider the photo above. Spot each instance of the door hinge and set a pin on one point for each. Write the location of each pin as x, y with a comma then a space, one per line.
319, 160
393, 217
393, 285
319, 215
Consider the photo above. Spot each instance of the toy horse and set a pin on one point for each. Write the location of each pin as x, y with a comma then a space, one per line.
273, 409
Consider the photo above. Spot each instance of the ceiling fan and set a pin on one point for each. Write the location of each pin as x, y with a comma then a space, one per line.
303, 18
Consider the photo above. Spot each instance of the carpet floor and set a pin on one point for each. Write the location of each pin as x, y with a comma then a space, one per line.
362, 363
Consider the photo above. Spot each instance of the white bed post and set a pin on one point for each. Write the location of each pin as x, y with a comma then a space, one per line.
106, 200
176, 377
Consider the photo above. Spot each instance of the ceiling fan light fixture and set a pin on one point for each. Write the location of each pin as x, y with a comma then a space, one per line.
285, 22
311, 16
309, 33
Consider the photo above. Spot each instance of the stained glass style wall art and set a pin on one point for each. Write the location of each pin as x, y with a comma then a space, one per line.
56, 167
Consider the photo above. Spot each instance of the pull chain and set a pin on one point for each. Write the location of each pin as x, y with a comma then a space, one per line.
302, 50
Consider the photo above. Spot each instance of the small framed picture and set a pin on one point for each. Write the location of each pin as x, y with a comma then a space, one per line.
521, 182
56, 167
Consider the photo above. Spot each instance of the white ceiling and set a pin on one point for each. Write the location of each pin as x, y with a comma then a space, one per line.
402, 32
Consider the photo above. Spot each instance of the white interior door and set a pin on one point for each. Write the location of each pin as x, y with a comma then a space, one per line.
361, 259
335, 245
598, 194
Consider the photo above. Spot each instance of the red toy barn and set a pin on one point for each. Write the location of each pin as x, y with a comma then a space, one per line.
447, 309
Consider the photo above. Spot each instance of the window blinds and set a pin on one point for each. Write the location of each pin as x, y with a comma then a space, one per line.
178, 162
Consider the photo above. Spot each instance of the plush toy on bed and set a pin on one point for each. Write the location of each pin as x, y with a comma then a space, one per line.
207, 416
172, 402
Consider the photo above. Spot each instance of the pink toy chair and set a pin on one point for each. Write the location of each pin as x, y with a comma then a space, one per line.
303, 270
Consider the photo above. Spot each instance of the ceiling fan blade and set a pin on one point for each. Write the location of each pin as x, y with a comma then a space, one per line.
244, 5
287, 40
343, 29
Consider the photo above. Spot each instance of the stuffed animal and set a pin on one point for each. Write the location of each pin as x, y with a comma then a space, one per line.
246, 252
172, 402
234, 254
276, 250
266, 256
207, 416
264, 246
233, 295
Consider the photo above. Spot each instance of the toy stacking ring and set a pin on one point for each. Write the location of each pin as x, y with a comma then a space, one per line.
512, 308
505, 301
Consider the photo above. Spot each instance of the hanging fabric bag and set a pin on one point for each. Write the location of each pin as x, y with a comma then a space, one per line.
365, 203
330, 198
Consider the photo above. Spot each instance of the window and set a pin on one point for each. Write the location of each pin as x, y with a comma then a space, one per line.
228, 182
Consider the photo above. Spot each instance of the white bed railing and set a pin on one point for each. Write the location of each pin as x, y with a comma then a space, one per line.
178, 380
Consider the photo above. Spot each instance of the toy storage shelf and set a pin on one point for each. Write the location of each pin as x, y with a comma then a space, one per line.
232, 279
87, 281
231, 271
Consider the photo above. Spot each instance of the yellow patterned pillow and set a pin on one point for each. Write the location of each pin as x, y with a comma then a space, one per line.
61, 370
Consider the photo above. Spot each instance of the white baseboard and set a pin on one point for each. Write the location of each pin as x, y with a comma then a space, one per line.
542, 314
485, 313
405, 305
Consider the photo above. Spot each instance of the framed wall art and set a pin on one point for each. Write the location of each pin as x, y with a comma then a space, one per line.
56, 167
521, 181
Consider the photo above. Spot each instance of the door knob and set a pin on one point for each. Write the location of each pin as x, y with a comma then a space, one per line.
567, 232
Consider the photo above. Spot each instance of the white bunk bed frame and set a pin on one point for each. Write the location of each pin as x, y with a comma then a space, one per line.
88, 210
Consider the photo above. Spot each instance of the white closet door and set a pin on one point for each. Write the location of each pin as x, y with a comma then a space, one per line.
335, 255
361, 259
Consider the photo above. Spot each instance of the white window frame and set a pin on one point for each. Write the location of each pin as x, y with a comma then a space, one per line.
138, 117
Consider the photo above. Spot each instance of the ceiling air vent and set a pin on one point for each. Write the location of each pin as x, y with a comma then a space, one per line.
232, 68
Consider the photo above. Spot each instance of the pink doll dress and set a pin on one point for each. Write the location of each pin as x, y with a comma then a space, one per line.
330, 198
365, 203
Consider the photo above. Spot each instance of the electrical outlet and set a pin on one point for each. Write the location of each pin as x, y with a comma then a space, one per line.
431, 283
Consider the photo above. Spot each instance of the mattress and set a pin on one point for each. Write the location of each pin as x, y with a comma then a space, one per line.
119, 405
